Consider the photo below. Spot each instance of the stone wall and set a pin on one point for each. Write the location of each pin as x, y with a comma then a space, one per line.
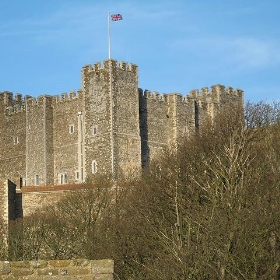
12, 137
10, 209
8, 201
106, 128
126, 119
36, 198
3, 201
166, 118
17, 203
58, 269
66, 139
97, 118
4, 215
112, 137
38, 148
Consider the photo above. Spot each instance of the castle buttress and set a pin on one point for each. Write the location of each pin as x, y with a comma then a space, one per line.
110, 126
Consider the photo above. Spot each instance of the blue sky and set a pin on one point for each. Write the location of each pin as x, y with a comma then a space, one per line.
179, 45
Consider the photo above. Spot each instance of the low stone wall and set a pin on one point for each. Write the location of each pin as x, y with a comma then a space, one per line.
58, 269
35, 198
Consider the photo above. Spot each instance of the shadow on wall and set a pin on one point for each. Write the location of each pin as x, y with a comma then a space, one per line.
145, 151
14, 202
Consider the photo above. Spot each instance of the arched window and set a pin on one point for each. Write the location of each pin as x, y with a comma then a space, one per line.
37, 180
62, 178
94, 167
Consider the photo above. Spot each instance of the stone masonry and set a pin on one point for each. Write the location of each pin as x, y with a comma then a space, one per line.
109, 126
58, 269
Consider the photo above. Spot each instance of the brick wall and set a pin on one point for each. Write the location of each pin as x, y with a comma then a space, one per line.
58, 269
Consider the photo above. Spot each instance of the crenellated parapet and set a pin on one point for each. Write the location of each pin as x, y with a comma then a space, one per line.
164, 97
39, 101
88, 68
6, 98
215, 94
15, 104
10, 103
220, 89
106, 124
204, 95
66, 97
153, 95
96, 67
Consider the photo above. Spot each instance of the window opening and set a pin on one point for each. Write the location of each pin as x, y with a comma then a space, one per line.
71, 128
94, 130
62, 178
37, 180
16, 140
94, 167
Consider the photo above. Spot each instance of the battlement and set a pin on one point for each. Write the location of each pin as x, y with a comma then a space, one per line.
39, 101
11, 104
203, 95
163, 97
153, 95
216, 90
115, 66
8, 98
18, 104
64, 97
60, 135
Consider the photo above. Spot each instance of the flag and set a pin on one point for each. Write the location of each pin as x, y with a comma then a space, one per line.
116, 17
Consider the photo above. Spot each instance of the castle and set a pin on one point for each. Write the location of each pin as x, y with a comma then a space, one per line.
109, 126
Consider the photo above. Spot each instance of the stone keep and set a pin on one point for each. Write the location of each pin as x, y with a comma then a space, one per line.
110, 126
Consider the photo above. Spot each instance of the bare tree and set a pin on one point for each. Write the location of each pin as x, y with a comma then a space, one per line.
207, 210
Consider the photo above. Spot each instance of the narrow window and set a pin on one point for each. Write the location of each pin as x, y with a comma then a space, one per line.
62, 178
65, 178
94, 167
37, 180
77, 175
16, 141
71, 128
94, 130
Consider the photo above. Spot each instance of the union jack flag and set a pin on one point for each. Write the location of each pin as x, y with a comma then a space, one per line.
116, 17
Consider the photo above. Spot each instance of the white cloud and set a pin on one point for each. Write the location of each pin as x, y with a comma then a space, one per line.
244, 53
255, 53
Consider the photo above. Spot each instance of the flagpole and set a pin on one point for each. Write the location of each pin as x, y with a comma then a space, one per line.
109, 40
115, 17
111, 101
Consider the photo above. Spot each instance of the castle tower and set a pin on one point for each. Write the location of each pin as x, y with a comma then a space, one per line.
164, 120
111, 121
12, 137
68, 138
110, 127
39, 141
